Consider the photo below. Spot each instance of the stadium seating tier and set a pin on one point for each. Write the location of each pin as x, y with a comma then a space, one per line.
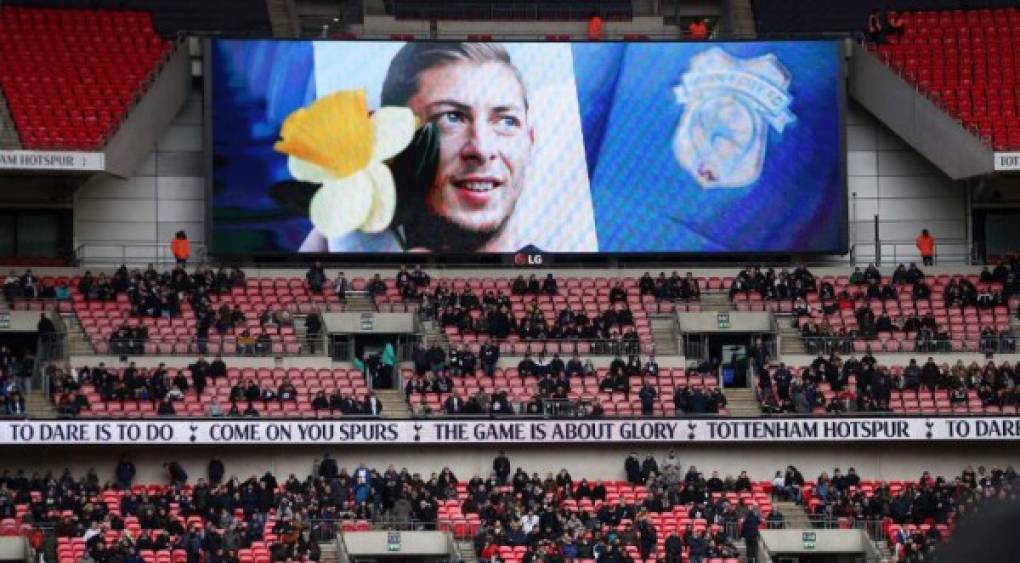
69, 76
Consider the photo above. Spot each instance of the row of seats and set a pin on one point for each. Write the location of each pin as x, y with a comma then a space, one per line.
69, 76
456, 510
968, 61
920, 402
451, 517
307, 382
521, 390
101, 318
590, 295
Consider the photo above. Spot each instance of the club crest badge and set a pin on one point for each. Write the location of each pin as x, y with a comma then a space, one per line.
729, 104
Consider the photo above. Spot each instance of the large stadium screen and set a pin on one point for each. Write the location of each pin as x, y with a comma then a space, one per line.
388, 147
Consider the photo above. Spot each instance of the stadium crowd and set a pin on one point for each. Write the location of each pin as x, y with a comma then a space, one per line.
247, 397
865, 288
862, 385
216, 516
15, 371
925, 510
551, 382
556, 518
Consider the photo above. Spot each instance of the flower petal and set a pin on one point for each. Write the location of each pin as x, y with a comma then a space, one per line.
392, 130
340, 206
384, 200
307, 172
334, 132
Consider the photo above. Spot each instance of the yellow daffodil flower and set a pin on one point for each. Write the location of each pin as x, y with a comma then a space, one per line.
334, 142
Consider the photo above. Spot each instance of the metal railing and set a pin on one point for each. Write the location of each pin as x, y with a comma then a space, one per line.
21, 303
827, 344
50, 349
326, 530
695, 346
190, 346
874, 528
566, 409
115, 253
340, 347
598, 347
845, 345
950, 250
407, 344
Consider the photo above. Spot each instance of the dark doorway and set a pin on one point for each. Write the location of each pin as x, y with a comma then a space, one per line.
995, 232
732, 351
20, 344
377, 353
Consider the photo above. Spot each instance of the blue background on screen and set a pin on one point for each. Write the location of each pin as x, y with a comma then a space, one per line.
645, 201
256, 85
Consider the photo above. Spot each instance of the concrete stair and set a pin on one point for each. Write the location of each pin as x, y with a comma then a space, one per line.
358, 302
9, 138
664, 335
77, 342
393, 402
283, 18
790, 341
742, 402
794, 515
327, 552
38, 405
887, 553
717, 301
742, 23
431, 333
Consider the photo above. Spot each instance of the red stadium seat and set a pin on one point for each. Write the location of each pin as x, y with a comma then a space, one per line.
69, 84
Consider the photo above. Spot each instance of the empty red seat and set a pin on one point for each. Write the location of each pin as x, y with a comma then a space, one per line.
69, 86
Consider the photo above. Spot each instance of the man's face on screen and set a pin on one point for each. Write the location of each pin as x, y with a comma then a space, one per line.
485, 142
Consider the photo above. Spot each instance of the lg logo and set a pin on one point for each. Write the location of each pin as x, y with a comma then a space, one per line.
522, 259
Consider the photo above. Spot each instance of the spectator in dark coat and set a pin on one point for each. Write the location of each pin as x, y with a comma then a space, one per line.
749, 531
647, 538
125, 473
178, 476
647, 395
674, 548
697, 547
215, 471
501, 465
633, 468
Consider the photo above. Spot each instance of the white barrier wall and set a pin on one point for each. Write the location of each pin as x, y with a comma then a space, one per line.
878, 461
906, 191
166, 194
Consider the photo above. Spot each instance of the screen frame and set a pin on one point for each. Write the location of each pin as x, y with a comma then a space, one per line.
578, 258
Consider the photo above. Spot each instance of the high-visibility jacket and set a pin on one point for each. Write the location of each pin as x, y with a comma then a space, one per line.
926, 245
181, 248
